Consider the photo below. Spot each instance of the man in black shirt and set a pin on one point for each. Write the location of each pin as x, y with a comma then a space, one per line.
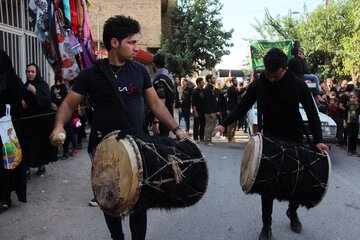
232, 101
210, 108
197, 101
280, 93
164, 86
117, 87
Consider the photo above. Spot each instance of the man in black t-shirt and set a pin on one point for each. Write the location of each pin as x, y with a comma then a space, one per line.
197, 102
128, 80
210, 108
280, 93
164, 86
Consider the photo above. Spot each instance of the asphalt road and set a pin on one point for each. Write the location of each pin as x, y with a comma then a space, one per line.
57, 206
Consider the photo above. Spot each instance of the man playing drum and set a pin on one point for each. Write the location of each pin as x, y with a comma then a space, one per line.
278, 93
131, 81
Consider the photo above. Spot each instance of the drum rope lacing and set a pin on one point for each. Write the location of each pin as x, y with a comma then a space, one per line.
300, 167
172, 160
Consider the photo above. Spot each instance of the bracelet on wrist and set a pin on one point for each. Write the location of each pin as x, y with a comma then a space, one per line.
175, 129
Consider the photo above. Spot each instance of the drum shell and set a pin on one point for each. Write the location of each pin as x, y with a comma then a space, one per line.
150, 164
169, 194
290, 171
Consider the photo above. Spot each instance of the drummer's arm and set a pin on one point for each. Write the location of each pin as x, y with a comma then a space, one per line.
63, 115
160, 111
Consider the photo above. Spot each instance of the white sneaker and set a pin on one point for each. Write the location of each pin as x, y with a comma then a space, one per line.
93, 203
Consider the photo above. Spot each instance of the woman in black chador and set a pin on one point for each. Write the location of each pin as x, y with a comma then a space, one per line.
37, 121
11, 179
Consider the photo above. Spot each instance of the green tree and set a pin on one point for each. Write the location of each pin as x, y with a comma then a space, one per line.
321, 36
351, 44
279, 27
328, 35
197, 40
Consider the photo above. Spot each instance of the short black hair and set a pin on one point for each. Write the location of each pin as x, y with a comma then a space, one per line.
275, 59
208, 77
199, 80
159, 60
119, 27
295, 51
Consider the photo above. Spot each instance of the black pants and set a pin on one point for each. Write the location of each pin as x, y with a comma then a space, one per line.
352, 132
186, 114
138, 223
267, 208
199, 127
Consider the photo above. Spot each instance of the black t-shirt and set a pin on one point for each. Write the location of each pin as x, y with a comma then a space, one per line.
197, 100
165, 90
232, 96
132, 80
210, 103
344, 99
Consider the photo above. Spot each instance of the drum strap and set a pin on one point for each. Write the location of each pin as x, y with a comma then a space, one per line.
105, 69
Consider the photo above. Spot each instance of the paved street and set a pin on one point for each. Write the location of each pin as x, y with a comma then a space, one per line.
58, 208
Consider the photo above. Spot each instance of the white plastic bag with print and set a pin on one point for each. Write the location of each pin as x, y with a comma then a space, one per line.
11, 149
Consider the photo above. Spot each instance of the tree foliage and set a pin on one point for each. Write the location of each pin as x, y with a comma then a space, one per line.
197, 40
330, 36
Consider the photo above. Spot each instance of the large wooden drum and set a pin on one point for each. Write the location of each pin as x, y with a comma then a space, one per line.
284, 170
130, 175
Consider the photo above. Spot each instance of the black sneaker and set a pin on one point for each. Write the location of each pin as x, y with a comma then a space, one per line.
4, 206
93, 203
295, 224
28, 176
41, 170
265, 233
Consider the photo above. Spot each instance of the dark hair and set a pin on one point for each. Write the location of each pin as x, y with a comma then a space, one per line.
295, 51
159, 60
119, 27
208, 77
349, 88
274, 59
199, 80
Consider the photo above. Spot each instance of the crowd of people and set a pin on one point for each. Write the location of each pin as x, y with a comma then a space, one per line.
40, 112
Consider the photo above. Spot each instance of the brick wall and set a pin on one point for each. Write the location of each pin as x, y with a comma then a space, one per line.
147, 12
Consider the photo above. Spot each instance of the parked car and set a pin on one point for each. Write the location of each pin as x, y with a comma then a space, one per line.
328, 125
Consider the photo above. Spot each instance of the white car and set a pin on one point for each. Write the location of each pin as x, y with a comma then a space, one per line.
328, 125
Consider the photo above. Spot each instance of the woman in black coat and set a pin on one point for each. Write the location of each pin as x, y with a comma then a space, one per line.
10, 87
38, 120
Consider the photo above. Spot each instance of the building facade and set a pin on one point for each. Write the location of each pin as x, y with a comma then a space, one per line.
19, 41
154, 17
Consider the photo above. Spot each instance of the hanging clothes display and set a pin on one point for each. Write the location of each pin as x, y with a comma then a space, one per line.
63, 28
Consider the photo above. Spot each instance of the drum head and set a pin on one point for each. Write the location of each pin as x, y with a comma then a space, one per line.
116, 174
251, 162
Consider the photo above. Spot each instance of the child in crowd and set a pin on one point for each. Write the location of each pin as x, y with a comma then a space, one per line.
351, 123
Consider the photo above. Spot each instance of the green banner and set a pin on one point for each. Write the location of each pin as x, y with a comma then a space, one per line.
259, 49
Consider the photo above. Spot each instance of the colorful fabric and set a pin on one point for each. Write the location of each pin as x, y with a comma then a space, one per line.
38, 12
67, 14
69, 67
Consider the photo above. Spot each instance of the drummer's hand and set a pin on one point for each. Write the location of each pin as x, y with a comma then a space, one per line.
321, 147
57, 137
181, 134
219, 128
